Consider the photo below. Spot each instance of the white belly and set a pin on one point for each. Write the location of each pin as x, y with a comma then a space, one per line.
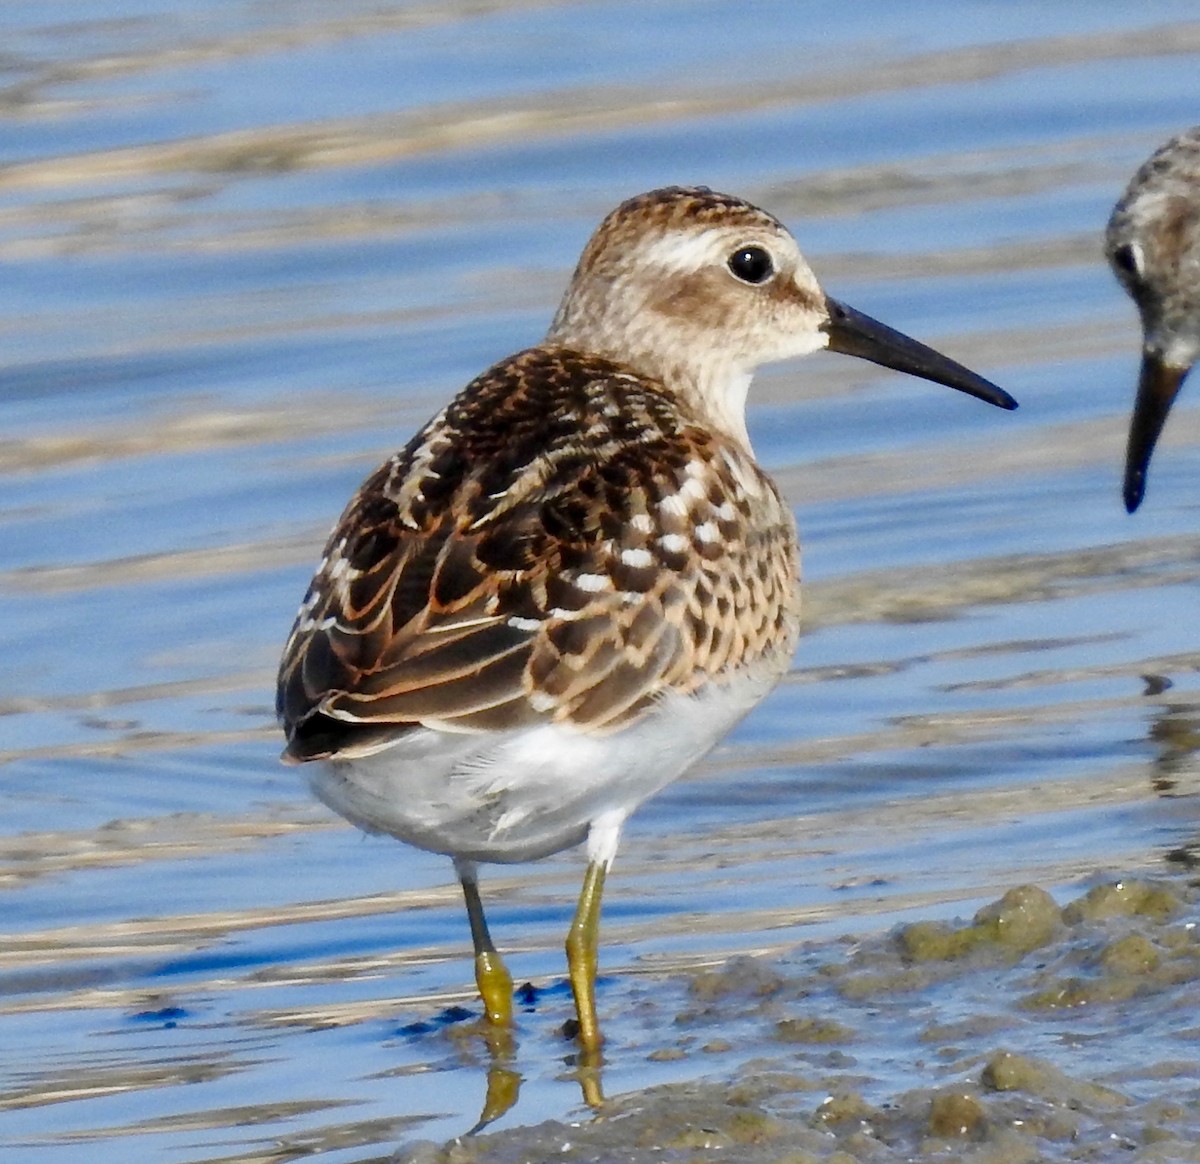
516, 796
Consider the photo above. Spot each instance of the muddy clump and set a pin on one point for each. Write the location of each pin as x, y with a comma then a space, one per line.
1033, 1033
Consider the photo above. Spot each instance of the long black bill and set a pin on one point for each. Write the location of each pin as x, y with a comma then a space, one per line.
1158, 385
856, 334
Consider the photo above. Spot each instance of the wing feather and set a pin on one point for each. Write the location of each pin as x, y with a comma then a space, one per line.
532, 556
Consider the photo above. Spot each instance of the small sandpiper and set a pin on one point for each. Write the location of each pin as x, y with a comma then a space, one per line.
575, 579
1153, 247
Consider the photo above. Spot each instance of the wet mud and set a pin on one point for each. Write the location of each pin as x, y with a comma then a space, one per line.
1033, 1032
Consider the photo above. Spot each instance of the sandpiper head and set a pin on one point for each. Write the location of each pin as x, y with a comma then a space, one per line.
1153, 247
697, 289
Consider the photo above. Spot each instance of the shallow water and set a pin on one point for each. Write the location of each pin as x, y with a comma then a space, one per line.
245, 249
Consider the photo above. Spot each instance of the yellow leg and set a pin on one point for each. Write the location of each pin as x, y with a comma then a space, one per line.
495, 987
491, 975
582, 944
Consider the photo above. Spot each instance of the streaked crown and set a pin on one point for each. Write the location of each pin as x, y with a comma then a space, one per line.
1153, 246
695, 289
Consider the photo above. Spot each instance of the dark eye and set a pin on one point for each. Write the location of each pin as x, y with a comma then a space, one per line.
752, 264
1125, 259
